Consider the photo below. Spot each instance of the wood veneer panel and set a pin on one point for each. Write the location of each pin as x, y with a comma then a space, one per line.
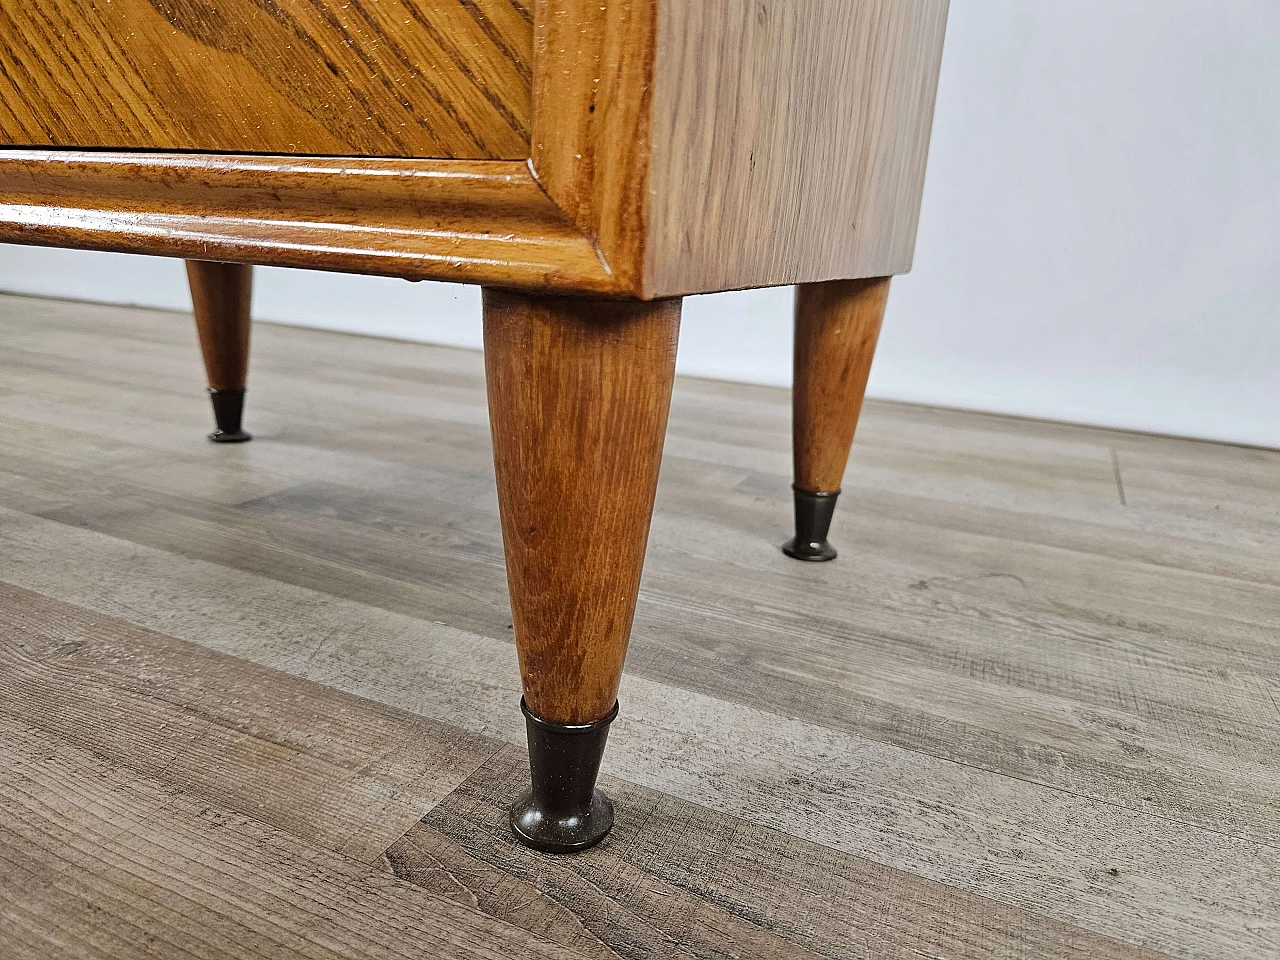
788, 140
676, 146
412, 78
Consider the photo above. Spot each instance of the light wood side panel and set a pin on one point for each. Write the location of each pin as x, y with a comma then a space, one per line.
413, 78
460, 220
789, 140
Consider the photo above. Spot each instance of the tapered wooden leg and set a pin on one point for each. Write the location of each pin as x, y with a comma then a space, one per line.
578, 397
837, 325
220, 294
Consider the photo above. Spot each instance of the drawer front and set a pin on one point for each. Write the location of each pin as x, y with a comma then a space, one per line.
392, 78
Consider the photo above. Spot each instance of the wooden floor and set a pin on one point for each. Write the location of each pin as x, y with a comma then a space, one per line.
261, 701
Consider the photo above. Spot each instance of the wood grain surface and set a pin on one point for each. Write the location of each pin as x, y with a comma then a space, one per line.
789, 140
735, 143
578, 397
131, 867
675, 146
465, 221
398, 78
678, 880
221, 297
1032, 715
837, 325
335, 770
594, 65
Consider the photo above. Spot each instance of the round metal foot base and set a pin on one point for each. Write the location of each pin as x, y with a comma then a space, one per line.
228, 407
563, 811
565, 832
239, 436
813, 552
813, 519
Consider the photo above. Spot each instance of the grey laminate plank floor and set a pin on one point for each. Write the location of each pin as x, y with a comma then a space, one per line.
269, 691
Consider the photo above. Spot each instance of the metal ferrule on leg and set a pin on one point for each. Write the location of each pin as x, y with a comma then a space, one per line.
813, 521
563, 811
228, 408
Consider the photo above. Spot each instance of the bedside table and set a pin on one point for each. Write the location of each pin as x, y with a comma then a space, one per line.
589, 162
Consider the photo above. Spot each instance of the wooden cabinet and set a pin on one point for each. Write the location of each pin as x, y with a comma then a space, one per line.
595, 159
643, 148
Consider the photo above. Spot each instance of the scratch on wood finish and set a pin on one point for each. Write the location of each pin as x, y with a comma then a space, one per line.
594, 64
578, 397
465, 221
837, 325
411, 78
789, 140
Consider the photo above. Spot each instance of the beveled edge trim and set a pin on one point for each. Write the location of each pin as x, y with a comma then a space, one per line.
466, 221
593, 69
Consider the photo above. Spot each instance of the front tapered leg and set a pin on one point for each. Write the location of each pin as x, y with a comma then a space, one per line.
578, 397
220, 294
837, 325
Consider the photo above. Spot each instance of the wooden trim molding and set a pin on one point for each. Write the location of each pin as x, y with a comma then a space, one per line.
469, 221
593, 66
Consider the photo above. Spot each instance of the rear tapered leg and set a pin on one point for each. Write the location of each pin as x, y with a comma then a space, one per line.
220, 294
578, 397
837, 325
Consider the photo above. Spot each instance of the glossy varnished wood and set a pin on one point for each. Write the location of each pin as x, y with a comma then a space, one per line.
836, 327
221, 294
594, 65
434, 78
466, 221
676, 147
578, 398
1027, 717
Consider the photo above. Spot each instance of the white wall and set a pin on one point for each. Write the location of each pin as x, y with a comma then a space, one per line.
1100, 239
